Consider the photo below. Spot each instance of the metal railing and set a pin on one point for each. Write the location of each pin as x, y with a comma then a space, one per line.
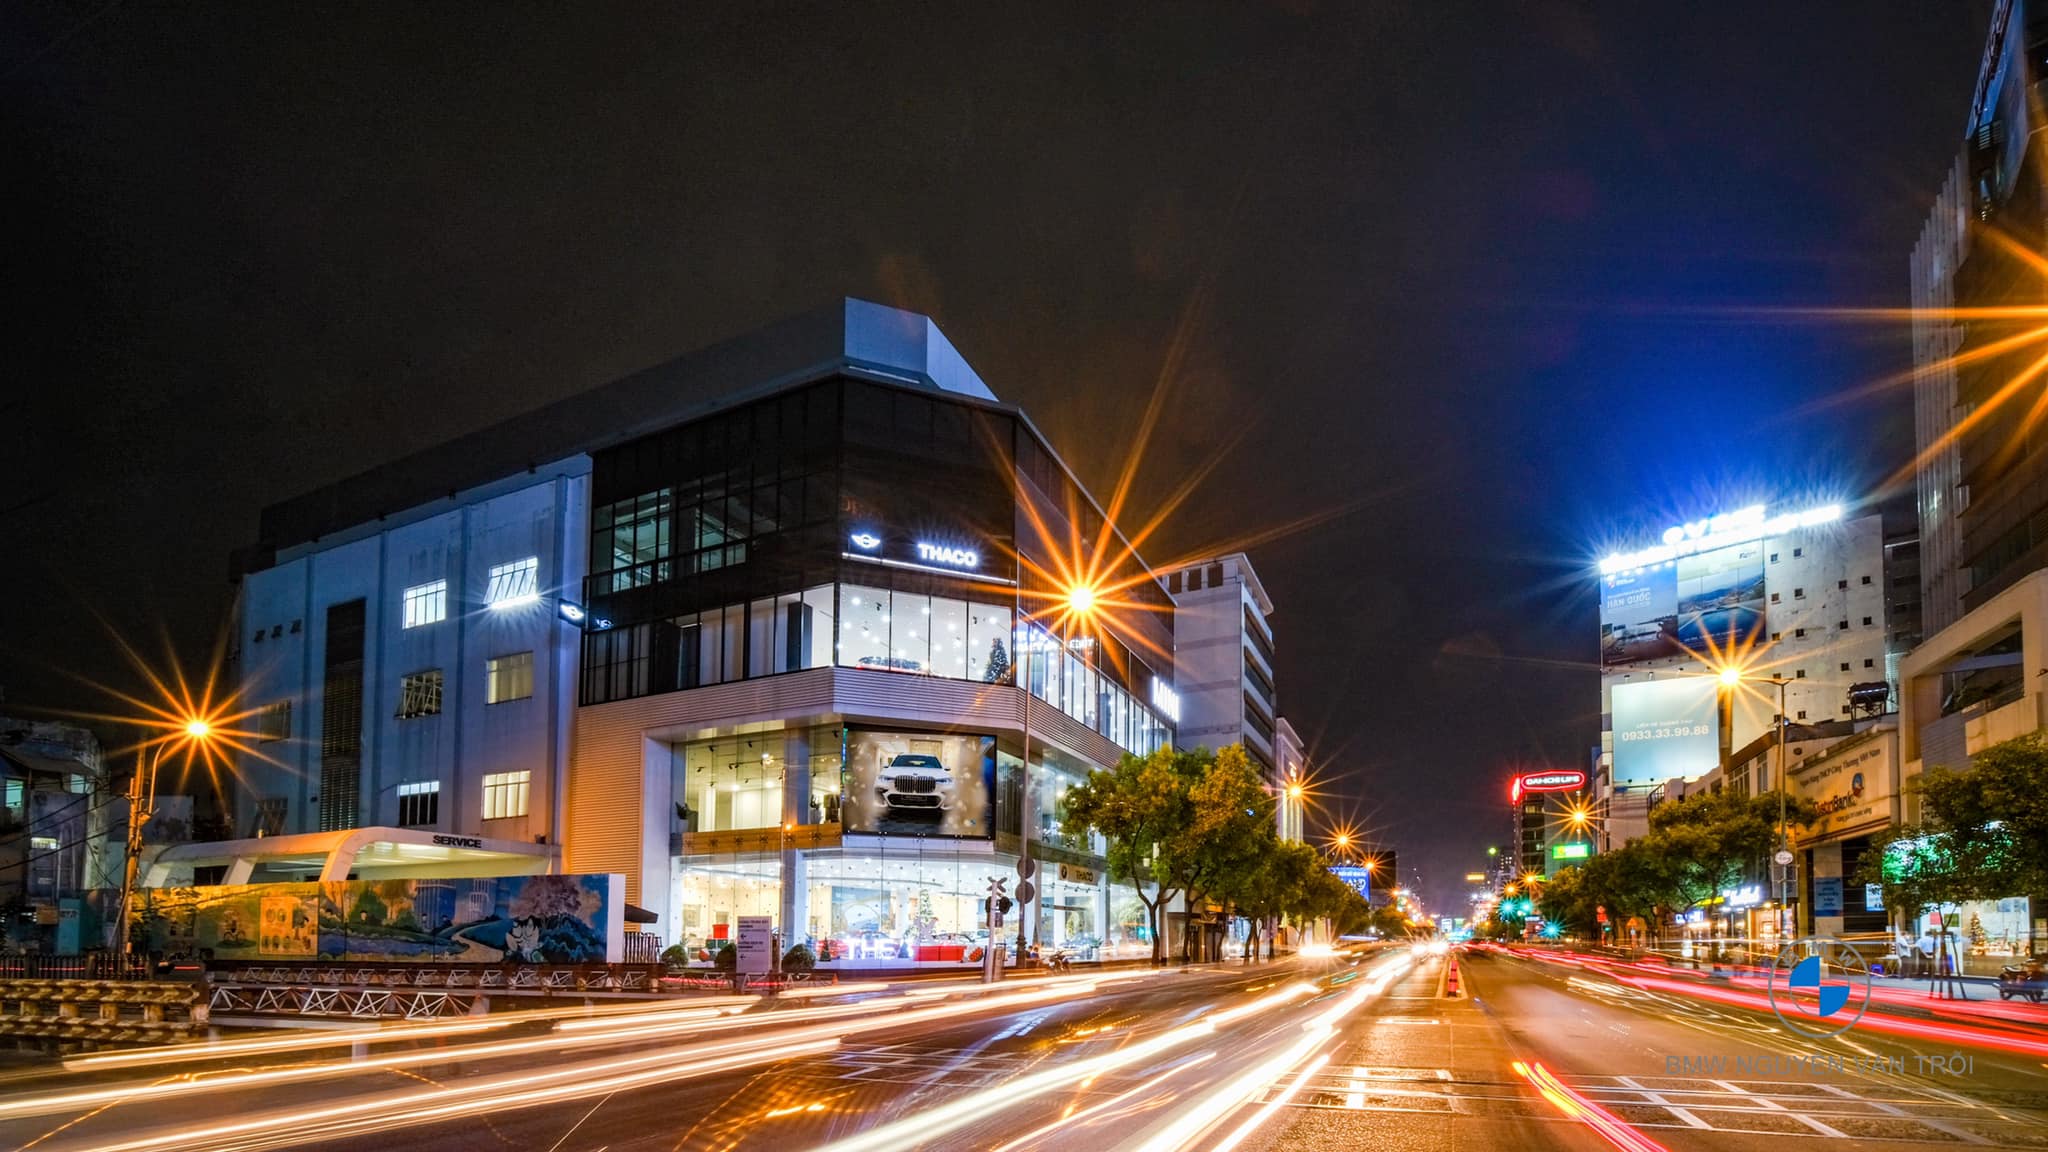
86, 966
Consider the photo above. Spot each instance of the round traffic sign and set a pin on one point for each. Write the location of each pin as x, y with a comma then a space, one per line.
1026, 867
1025, 891
1783, 857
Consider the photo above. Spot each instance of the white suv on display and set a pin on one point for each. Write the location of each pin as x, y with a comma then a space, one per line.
913, 781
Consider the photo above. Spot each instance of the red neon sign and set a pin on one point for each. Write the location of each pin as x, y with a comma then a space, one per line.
1567, 780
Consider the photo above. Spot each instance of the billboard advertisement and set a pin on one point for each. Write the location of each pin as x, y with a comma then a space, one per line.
919, 783
1359, 877
578, 919
1669, 608
1665, 729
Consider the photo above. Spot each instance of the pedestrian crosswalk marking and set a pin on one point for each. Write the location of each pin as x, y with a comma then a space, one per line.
1816, 1111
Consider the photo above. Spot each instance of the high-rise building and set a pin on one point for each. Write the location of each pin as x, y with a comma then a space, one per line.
1982, 462
1225, 671
1982, 467
1801, 593
1223, 658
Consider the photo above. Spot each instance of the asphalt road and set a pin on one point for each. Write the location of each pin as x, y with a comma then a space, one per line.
1305, 1054
1118, 1064
1679, 1071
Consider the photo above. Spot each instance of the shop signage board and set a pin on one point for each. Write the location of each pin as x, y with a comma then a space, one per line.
1852, 786
756, 945
1827, 896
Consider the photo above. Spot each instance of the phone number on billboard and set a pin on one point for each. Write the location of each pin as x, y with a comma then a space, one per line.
1666, 733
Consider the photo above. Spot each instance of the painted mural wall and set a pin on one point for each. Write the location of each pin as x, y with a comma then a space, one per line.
486, 920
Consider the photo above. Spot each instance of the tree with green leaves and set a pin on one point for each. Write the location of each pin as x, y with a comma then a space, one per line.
1178, 824
1139, 806
1982, 833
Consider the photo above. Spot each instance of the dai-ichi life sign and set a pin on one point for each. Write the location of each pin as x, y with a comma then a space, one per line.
1558, 780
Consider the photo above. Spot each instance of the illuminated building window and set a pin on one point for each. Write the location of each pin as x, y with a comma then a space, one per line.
426, 603
514, 583
419, 803
508, 678
419, 694
505, 794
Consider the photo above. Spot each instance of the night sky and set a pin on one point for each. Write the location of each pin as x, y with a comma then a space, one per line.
1465, 296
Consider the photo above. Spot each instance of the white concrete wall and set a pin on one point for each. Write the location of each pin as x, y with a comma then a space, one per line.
469, 739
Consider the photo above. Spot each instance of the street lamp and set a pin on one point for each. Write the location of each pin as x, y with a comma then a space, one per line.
1731, 678
1079, 603
197, 730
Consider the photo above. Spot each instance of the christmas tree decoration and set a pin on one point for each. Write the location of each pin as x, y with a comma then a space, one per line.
998, 663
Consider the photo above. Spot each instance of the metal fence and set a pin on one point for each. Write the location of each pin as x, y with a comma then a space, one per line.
87, 966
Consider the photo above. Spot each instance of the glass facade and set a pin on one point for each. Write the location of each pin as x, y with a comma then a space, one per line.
883, 529
897, 906
845, 523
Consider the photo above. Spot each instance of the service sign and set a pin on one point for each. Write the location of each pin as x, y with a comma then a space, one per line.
756, 945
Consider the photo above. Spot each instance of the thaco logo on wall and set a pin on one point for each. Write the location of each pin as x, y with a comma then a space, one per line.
949, 555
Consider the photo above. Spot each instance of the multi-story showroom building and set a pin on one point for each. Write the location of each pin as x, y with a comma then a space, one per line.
838, 672
806, 624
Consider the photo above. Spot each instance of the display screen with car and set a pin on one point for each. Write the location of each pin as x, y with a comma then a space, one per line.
915, 781
919, 783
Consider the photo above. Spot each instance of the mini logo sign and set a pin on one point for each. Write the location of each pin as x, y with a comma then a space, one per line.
948, 555
1166, 700
1801, 975
459, 841
865, 541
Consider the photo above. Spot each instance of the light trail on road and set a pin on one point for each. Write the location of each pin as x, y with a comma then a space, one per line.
955, 1114
1569, 1101
794, 1027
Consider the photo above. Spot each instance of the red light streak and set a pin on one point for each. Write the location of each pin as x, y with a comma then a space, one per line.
1568, 1101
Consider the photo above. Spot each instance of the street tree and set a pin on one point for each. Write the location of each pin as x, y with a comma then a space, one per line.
1141, 807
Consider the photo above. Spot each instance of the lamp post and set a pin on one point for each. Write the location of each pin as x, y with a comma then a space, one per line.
1079, 603
141, 807
1730, 677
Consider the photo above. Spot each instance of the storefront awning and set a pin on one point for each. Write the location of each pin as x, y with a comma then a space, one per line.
366, 853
